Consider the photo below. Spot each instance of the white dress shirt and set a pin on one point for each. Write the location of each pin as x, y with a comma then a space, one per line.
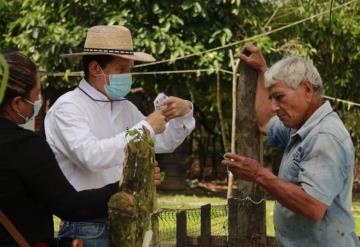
88, 137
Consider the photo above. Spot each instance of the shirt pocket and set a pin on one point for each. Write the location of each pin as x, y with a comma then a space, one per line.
293, 173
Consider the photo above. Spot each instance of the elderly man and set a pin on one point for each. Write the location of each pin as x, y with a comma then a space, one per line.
87, 127
314, 186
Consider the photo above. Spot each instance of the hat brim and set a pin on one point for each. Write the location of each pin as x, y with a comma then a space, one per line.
137, 56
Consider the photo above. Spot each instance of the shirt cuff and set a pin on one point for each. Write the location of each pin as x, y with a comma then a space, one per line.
187, 120
145, 124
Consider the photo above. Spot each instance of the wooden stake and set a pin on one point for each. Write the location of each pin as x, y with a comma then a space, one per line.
234, 66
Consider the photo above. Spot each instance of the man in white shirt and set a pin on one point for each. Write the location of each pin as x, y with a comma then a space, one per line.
86, 127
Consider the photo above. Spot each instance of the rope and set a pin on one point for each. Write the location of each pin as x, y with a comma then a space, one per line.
247, 39
80, 73
209, 70
174, 71
349, 103
61, 74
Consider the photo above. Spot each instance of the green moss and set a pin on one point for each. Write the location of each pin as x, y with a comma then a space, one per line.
130, 209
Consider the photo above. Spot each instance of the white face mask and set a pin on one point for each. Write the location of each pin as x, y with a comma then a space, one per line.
36, 108
119, 85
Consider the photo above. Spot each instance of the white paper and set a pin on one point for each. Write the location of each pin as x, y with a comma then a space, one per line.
159, 98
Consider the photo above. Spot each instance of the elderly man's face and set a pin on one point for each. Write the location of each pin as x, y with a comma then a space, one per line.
290, 105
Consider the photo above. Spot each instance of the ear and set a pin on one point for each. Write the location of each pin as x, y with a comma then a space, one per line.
94, 69
16, 103
308, 89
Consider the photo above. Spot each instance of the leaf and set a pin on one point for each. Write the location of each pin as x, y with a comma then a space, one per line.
4, 76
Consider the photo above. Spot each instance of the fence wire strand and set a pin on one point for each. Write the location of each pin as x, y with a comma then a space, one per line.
167, 223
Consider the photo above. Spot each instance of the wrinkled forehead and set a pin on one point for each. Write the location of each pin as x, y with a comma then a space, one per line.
278, 86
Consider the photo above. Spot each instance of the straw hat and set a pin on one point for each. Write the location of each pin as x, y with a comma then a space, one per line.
111, 40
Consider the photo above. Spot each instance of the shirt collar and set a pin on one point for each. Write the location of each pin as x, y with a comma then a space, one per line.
93, 93
314, 119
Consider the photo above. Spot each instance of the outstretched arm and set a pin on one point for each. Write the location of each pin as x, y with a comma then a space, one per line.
289, 195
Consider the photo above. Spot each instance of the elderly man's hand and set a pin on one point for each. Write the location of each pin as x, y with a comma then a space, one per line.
252, 56
173, 107
242, 167
157, 176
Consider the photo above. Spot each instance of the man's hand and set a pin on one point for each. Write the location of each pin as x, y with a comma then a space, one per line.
157, 177
242, 167
156, 121
252, 56
173, 107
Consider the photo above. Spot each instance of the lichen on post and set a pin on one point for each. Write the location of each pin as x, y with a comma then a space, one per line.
130, 209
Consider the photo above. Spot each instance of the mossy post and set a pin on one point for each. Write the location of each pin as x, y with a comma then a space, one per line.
130, 209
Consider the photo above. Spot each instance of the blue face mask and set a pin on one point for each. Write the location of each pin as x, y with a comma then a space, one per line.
119, 86
36, 108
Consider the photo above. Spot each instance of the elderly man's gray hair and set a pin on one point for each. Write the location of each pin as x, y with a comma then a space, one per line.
293, 70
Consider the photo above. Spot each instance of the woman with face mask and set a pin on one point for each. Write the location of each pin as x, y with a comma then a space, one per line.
32, 186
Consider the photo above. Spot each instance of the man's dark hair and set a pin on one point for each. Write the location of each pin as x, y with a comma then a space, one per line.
102, 60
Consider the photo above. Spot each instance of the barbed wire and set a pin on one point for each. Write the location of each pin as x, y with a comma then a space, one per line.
166, 219
249, 199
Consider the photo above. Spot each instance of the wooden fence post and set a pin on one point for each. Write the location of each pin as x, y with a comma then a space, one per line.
233, 218
205, 237
252, 222
181, 229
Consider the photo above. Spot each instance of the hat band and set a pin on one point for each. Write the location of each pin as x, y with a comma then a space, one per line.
123, 52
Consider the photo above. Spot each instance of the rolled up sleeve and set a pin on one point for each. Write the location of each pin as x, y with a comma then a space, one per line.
277, 134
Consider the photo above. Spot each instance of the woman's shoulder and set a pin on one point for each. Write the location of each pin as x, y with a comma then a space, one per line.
26, 139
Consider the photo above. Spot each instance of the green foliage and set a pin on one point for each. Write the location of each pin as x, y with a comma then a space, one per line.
46, 29
162, 176
137, 135
4, 75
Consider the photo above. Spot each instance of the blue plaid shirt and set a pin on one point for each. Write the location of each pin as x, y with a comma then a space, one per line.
319, 157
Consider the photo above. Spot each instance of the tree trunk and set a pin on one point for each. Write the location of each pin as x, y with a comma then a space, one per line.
251, 225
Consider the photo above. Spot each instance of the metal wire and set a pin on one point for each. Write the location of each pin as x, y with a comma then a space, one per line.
166, 219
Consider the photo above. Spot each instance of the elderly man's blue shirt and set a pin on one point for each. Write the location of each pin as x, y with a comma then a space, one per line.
319, 157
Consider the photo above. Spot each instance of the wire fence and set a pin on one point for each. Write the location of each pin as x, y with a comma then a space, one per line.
167, 221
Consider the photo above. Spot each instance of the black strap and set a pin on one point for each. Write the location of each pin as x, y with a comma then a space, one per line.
106, 50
